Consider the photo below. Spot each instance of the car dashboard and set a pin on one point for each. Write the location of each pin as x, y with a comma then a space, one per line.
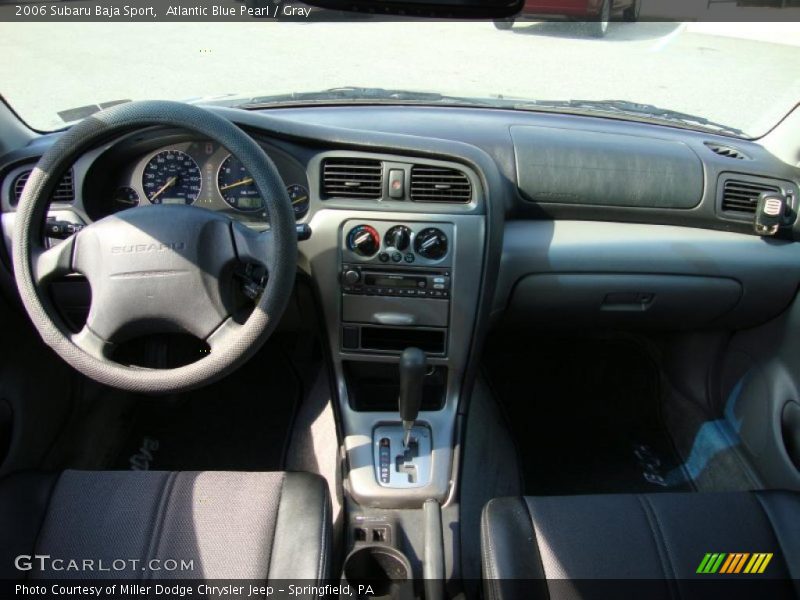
427, 226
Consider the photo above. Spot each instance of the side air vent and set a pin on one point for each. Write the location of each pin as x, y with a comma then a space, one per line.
65, 192
17, 187
726, 151
742, 196
439, 184
352, 178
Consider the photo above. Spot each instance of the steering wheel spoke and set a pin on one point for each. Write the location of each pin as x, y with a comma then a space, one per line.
251, 246
48, 264
228, 330
91, 343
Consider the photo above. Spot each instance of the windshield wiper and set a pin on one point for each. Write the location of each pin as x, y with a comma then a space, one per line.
628, 108
359, 94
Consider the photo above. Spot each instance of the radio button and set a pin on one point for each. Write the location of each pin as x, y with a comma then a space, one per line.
351, 276
438, 280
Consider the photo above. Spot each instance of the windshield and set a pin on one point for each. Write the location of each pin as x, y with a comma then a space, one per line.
742, 78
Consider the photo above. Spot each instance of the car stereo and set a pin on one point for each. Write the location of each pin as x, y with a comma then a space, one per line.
428, 283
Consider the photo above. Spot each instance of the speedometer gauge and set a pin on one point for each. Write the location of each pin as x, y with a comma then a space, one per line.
172, 177
236, 186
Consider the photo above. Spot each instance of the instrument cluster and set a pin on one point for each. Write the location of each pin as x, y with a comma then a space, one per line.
204, 174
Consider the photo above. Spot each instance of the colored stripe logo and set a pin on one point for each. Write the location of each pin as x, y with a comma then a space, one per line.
734, 563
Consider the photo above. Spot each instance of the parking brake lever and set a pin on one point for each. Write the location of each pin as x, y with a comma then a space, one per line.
413, 365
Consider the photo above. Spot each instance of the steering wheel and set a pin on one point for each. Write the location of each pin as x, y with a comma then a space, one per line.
160, 268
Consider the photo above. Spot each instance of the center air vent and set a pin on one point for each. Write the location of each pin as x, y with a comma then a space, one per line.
439, 184
65, 192
726, 151
741, 197
352, 178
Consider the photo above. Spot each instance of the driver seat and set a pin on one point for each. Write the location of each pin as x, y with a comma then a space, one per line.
226, 525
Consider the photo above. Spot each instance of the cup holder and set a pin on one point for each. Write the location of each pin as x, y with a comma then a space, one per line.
379, 571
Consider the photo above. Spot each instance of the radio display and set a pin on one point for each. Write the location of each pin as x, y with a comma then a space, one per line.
399, 282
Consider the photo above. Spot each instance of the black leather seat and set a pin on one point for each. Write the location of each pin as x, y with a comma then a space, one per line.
561, 547
227, 525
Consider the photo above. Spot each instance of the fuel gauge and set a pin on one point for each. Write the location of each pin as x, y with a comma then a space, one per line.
124, 197
300, 201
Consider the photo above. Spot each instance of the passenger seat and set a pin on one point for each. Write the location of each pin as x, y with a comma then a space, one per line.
531, 545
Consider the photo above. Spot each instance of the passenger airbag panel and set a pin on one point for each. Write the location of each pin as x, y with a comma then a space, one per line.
603, 169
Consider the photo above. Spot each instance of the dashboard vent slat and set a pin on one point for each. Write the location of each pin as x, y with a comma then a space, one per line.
726, 151
65, 192
439, 184
742, 196
352, 178
18, 186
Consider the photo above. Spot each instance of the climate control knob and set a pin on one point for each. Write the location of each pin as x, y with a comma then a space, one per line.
364, 240
398, 237
431, 243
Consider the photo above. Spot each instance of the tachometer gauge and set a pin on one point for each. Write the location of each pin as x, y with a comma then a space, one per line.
236, 186
124, 197
299, 197
172, 177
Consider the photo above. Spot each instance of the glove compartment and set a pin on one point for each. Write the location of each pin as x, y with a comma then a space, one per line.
621, 300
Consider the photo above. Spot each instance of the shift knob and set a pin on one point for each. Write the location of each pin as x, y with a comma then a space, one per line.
413, 365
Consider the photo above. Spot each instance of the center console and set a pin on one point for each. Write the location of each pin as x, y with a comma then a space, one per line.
395, 296
398, 280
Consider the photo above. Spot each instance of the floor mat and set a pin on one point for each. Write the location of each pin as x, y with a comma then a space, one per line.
239, 423
585, 416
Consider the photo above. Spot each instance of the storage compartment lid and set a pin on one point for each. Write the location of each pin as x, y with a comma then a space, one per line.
606, 300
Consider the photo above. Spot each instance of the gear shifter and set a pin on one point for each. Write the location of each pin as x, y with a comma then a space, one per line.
402, 455
413, 365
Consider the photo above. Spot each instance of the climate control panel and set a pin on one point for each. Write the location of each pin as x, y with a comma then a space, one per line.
402, 244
